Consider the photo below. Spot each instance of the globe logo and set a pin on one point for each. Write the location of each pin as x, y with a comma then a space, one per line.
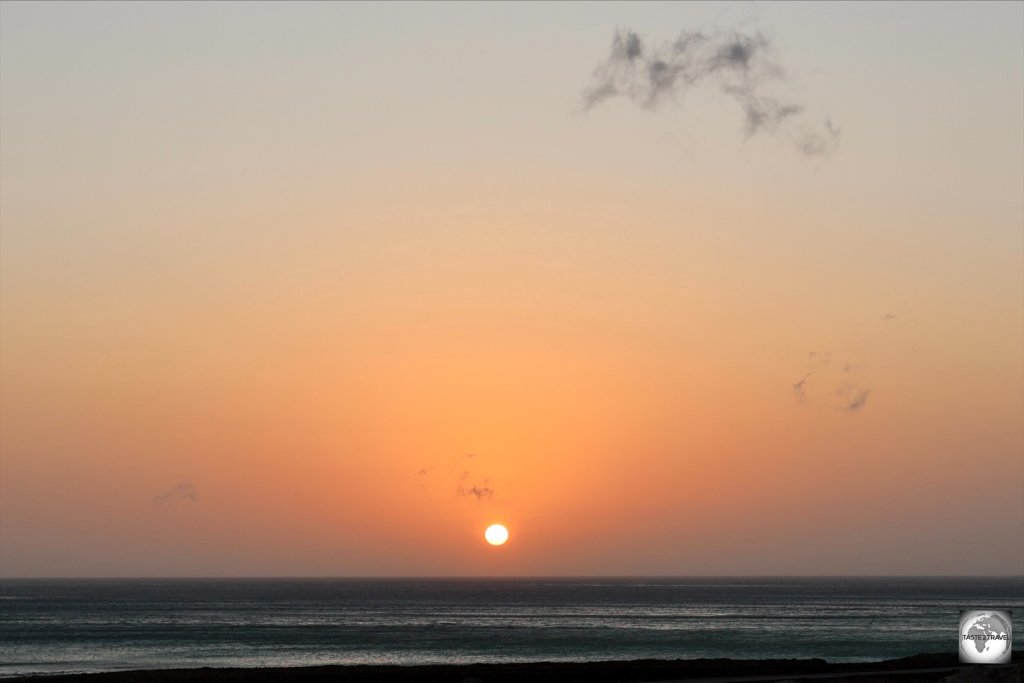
985, 636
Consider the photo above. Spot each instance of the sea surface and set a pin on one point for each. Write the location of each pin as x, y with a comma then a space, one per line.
49, 626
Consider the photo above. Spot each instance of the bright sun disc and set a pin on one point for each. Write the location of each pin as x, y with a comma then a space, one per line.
496, 534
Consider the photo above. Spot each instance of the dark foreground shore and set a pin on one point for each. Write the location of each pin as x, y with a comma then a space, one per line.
917, 669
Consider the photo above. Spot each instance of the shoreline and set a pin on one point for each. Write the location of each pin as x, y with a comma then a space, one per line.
918, 668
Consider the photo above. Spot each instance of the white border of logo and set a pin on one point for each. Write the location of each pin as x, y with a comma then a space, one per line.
993, 654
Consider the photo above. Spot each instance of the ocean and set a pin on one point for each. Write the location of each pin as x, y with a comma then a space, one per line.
49, 626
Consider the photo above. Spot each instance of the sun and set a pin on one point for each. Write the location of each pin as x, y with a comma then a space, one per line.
496, 534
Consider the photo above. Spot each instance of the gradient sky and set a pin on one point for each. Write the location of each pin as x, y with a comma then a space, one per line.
325, 289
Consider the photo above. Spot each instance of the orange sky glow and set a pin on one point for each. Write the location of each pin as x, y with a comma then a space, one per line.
276, 316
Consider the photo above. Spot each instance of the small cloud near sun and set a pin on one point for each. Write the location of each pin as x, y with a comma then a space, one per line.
467, 485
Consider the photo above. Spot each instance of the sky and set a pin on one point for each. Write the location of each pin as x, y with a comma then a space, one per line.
667, 289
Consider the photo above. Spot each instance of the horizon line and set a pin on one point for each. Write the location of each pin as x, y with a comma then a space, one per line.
400, 577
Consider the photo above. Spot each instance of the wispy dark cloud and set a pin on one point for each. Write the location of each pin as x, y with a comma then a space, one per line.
743, 66
848, 395
466, 488
183, 491
854, 399
817, 361
478, 492
835, 381
467, 484
800, 387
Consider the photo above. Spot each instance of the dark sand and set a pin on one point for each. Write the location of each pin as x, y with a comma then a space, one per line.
916, 669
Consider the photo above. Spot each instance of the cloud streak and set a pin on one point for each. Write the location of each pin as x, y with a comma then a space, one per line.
183, 491
478, 492
819, 360
467, 485
848, 396
857, 401
742, 66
